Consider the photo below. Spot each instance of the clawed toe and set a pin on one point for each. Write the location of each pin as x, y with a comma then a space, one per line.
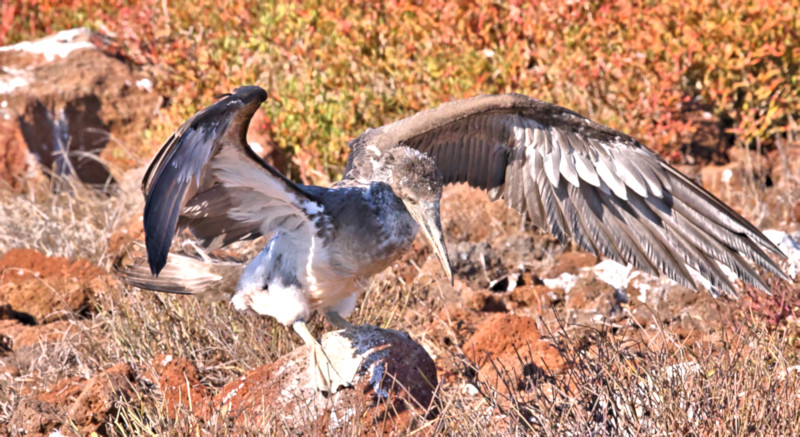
325, 376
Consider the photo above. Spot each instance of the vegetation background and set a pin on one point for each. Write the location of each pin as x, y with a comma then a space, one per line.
336, 68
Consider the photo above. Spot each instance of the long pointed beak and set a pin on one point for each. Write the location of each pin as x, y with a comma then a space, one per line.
428, 218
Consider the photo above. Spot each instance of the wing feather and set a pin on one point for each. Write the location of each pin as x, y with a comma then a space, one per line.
206, 177
584, 181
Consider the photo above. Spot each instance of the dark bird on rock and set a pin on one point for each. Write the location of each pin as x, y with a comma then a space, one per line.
578, 179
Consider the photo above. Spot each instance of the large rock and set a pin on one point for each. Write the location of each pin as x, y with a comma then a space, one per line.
509, 352
395, 378
41, 289
90, 405
19, 335
97, 402
35, 417
63, 93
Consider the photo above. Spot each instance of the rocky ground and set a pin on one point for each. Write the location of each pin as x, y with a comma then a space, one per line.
532, 337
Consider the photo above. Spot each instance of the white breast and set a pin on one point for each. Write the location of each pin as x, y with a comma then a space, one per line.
293, 276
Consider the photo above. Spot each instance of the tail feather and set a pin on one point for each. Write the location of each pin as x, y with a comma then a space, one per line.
212, 279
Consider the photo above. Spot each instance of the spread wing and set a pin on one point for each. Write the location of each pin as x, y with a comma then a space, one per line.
582, 181
206, 177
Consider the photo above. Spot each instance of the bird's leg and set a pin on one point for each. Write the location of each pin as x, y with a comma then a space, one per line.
337, 320
324, 375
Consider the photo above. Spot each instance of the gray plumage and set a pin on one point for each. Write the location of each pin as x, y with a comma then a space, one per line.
582, 181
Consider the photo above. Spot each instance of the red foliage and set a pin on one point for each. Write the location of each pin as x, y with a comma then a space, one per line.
342, 66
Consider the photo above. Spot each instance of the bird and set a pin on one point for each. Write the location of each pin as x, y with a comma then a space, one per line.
578, 179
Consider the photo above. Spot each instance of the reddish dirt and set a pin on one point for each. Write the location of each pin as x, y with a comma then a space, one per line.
22, 335
535, 296
42, 289
97, 400
15, 161
87, 403
63, 392
570, 262
512, 344
129, 231
33, 417
180, 386
38, 265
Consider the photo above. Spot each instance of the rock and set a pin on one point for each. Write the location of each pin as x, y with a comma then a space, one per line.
16, 163
35, 417
512, 345
538, 296
591, 301
180, 385
63, 392
20, 335
41, 289
47, 301
88, 404
395, 378
570, 262
21, 265
101, 97
97, 401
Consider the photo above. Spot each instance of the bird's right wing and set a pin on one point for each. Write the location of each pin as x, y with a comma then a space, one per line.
205, 177
582, 181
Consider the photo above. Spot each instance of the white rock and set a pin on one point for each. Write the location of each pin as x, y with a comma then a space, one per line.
790, 246
11, 79
61, 44
145, 84
564, 281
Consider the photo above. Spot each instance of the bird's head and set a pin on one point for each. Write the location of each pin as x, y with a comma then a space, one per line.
418, 183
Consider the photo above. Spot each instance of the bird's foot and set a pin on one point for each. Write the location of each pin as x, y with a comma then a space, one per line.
333, 366
337, 320
326, 376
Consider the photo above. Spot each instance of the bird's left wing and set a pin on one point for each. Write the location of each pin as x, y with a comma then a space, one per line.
207, 178
582, 181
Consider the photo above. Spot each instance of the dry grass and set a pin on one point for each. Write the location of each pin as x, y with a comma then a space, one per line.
618, 381
745, 383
